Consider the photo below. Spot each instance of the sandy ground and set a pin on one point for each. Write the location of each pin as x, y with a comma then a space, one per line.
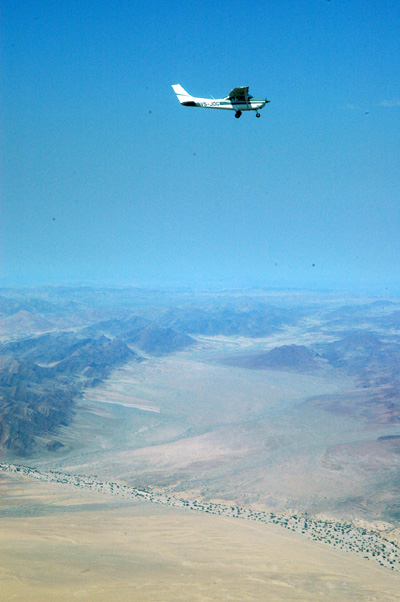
58, 544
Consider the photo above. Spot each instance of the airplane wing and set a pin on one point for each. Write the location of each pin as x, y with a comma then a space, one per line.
239, 93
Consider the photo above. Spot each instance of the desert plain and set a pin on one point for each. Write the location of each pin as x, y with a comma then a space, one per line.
59, 544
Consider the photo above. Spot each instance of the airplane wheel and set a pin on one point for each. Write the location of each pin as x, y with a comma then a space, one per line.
258, 115
238, 114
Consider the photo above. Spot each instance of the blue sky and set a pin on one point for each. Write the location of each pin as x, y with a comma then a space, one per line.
107, 179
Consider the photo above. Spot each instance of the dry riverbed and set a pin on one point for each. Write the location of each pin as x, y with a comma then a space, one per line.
371, 544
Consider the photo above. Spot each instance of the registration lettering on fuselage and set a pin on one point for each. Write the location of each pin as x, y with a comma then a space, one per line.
212, 103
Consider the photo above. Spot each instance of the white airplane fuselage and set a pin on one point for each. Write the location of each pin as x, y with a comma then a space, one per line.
253, 104
236, 101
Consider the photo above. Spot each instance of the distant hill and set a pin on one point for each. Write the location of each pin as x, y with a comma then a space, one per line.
287, 357
253, 321
121, 328
354, 350
96, 358
13, 372
70, 353
24, 322
145, 335
10, 306
66, 348
154, 340
391, 320
364, 354
46, 348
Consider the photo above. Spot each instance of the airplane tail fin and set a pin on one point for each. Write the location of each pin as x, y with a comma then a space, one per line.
183, 97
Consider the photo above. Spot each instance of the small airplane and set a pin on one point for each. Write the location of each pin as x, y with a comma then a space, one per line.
237, 100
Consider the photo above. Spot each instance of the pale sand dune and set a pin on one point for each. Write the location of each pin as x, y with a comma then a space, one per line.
58, 544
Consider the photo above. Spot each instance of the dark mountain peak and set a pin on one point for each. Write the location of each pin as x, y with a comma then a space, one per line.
296, 356
285, 357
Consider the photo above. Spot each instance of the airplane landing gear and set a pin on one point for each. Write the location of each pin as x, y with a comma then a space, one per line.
238, 114
258, 115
